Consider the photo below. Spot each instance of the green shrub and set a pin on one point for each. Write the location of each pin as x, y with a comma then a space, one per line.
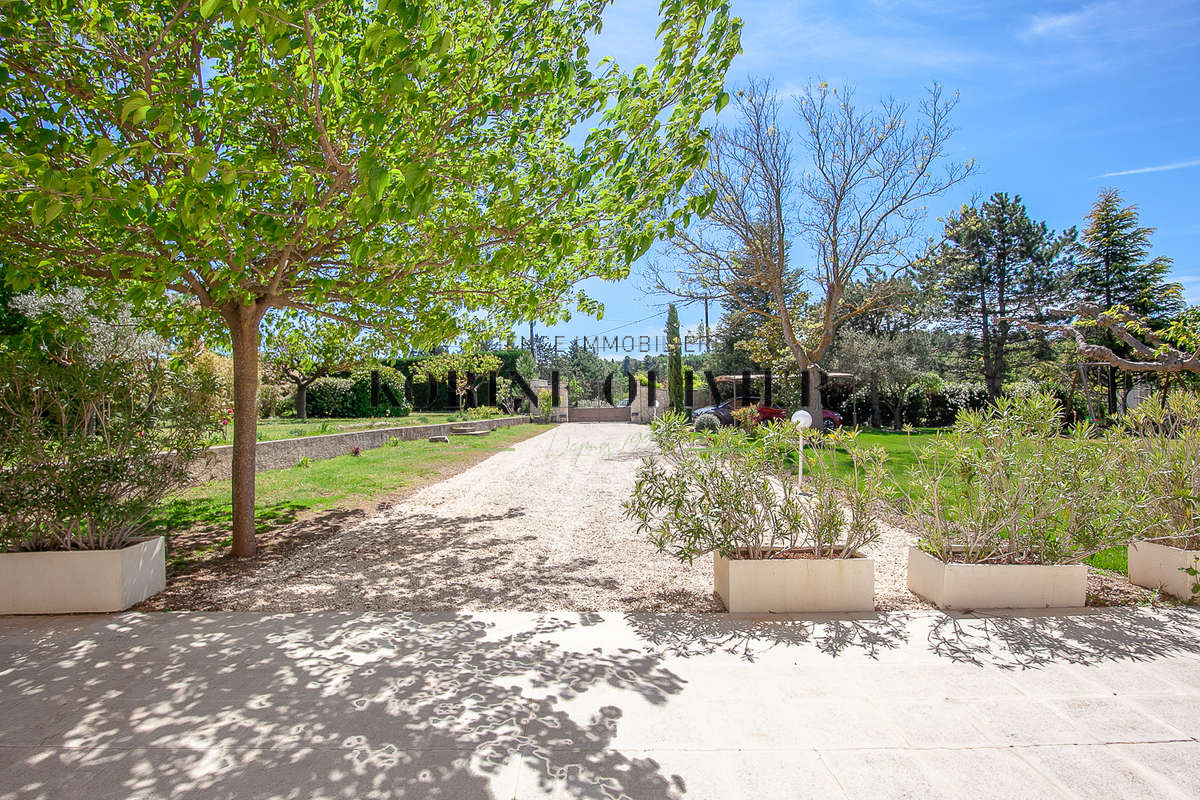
545, 407
273, 399
94, 436
351, 397
707, 423
738, 495
332, 397
484, 412
746, 417
1008, 485
1164, 452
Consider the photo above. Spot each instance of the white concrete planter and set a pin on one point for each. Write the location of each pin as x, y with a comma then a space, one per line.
794, 585
75, 581
966, 587
1160, 566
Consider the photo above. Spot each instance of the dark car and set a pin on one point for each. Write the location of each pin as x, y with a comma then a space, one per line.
723, 411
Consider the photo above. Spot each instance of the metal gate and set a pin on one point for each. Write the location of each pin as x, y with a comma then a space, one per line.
601, 414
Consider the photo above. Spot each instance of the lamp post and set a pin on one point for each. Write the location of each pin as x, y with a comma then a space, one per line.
803, 419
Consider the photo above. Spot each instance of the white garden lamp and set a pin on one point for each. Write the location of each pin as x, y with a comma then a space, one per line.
804, 420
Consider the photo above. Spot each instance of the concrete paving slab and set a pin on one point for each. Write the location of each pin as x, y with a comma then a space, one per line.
935, 722
1172, 762
1096, 771
694, 775
1180, 712
894, 774
584, 705
1019, 720
1112, 719
989, 774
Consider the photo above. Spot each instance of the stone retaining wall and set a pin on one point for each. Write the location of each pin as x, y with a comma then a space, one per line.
217, 465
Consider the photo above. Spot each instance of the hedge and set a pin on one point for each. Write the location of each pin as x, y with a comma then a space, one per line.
351, 396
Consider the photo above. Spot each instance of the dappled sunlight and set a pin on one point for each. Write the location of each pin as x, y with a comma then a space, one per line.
332, 705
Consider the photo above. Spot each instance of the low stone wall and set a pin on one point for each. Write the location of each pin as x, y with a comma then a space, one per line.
218, 464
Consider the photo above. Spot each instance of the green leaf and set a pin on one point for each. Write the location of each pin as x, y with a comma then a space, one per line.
101, 150
413, 175
53, 209
208, 8
722, 101
377, 181
135, 108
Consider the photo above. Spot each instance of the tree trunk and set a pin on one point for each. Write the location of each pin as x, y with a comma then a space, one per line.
897, 413
302, 400
1112, 385
243, 328
994, 370
814, 396
876, 414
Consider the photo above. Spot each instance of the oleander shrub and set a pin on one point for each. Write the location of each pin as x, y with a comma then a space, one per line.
738, 494
94, 433
1009, 484
1163, 451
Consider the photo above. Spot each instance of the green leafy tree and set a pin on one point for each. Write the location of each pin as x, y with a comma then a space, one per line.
885, 366
998, 266
411, 166
674, 360
462, 365
1115, 270
302, 348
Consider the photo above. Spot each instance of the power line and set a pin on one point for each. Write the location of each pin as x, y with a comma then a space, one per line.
627, 324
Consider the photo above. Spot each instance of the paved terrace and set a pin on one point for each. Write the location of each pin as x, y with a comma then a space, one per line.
582, 705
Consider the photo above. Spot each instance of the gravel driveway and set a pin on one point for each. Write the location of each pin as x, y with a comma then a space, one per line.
534, 528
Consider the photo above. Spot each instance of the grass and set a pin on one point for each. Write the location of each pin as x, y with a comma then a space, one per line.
275, 428
282, 495
1114, 559
901, 448
901, 458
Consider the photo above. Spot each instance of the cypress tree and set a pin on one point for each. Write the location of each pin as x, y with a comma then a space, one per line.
674, 360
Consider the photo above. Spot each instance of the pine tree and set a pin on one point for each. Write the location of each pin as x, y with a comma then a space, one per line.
674, 360
1114, 270
1000, 266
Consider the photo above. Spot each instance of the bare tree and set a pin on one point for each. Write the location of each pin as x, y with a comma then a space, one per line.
854, 208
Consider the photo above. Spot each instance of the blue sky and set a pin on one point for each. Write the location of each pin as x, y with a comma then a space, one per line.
1057, 100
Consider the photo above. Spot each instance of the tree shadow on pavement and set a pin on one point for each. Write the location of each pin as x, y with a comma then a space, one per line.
1086, 636
690, 635
332, 705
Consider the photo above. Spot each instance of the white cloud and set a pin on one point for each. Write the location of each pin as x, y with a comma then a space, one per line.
1160, 168
1069, 23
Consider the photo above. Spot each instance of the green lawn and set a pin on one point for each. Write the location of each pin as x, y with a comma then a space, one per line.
901, 449
275, 428
1114, 559
282, 495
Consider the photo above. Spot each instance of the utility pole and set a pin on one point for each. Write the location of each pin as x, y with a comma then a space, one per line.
532, 352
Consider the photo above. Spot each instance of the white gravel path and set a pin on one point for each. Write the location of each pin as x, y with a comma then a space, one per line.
533, 528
